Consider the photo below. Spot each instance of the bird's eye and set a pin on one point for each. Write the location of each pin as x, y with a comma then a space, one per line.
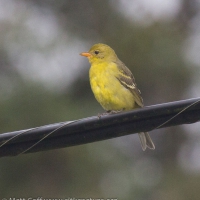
96, 52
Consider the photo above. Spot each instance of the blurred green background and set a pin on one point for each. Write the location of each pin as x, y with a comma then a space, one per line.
43, 80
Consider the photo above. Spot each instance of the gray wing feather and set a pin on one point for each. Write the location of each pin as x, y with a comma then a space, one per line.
127, 80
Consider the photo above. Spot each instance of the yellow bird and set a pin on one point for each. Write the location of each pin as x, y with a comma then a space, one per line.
113, 84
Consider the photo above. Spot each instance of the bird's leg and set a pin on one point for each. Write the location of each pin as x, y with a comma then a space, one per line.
103, 114
114, 111
109, 112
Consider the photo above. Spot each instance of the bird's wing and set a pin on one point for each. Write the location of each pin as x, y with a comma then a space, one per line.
128, 81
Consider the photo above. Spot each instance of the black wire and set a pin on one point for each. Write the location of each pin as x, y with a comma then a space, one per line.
96, 128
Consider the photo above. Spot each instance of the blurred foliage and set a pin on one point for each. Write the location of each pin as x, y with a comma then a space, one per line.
116, 168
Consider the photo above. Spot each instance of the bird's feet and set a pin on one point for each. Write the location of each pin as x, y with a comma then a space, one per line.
114, 111
102, 114
109, 112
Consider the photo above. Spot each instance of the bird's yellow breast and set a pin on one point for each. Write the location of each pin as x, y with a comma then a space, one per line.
108, 91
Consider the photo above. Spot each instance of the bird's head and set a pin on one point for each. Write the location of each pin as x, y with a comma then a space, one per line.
100, 53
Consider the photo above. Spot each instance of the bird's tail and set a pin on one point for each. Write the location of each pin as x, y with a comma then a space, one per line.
146, 141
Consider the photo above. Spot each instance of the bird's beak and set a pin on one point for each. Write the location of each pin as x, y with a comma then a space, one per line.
86, 54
